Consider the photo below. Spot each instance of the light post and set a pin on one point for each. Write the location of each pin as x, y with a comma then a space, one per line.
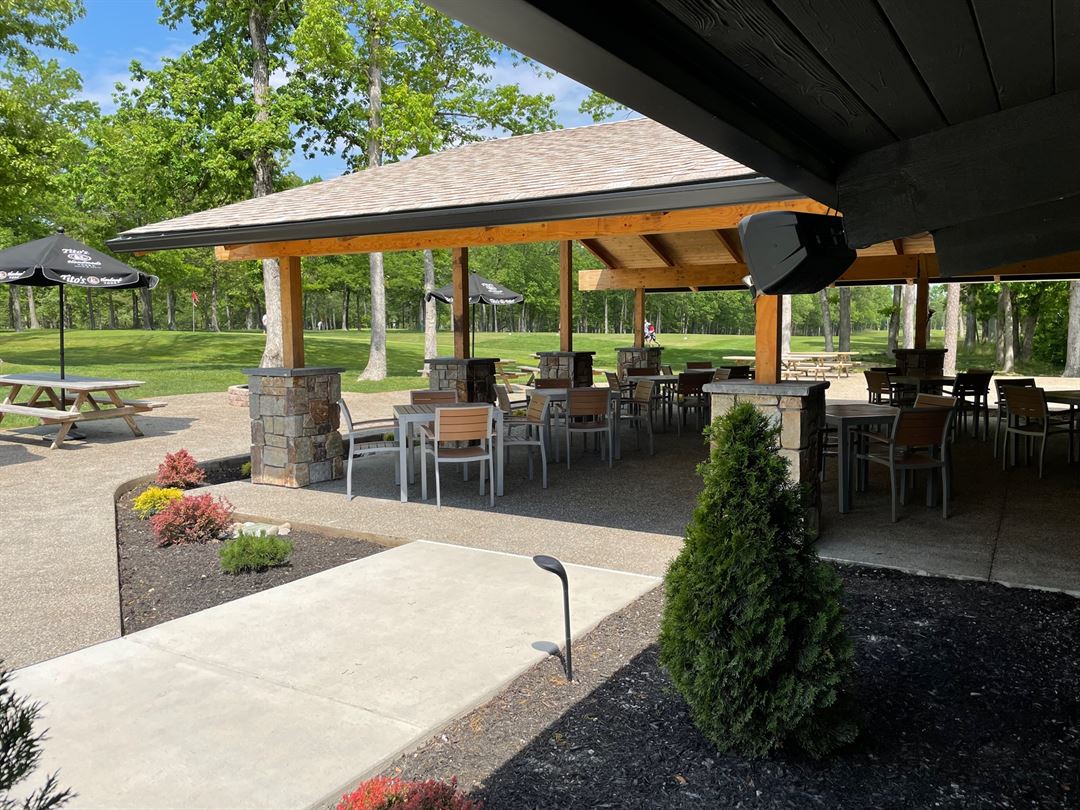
556, 567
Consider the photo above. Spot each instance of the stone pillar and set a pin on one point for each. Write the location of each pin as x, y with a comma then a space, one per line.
473, 378
638, 357
294, 425
799, 409
920, 362
573, 366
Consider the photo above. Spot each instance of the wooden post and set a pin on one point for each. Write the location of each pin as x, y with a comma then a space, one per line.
767, 338
639, 317
292, 312
922, 305
566, 296
462, 349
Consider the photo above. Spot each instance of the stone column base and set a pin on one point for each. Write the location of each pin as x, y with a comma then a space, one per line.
799, 409
294, 425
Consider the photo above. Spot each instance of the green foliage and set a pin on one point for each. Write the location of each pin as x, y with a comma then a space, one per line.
20, 752
753, 632
153, 499
253, 552
245, 470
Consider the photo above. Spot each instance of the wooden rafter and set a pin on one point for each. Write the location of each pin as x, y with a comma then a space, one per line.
898, 246
731, 245
662, 278
658, 249
599, 251
689, 219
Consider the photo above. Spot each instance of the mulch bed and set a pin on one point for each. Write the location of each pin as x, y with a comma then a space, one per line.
969, 695
159, 584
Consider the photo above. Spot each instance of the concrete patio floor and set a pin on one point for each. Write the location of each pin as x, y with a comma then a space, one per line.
286, 697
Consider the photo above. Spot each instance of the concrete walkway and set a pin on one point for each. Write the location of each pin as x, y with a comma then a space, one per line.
284, 698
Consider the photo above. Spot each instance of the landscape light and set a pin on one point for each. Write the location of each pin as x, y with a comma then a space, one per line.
556, 567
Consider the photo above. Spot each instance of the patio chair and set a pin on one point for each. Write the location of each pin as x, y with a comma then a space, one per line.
507, 405
553, 382
368, 438
650, 371
739, 372
1001, 384
879, 390
918, 441
588, 410
666, 371
639, 409
721, 374
531, 432
1039, 423
689, 396
698, 364
428, 397
972, 392
453, 427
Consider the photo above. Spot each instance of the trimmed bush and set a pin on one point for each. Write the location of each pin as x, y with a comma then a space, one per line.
245, 470
153, 499
192, 519
753, 631
387, 792
180, 469
254, 552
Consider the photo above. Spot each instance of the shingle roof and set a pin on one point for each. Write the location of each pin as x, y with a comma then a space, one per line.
624, 155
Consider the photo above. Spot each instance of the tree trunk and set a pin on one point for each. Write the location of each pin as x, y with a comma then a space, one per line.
952, 326
91, 321
970, 329
147, 308
785, 325
845, 319
909, 316
376, 364
1027, 346
14, 307
431, 316
215, 324
32, 308
826, 320
1006, 350
1072, 344
345, 309
113, 324
263, 165
894, 319
170, 308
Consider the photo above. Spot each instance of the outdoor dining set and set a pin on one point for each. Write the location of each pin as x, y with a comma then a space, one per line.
911, 421
543, 416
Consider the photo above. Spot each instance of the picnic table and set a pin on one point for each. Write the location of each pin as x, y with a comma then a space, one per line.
819, 364
409, 415
923, 383
57, 401
844, 416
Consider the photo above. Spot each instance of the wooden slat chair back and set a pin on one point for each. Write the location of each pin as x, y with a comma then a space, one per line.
553, 382
536, 413
502, 398
530, 431
649, 371
462, 424
934, 401
612, 379
1039, 423
422, 397
1002, 386
639, 410
1027, 402
667, 371
920, 427
691, 383
721, 374
587, 411
878, 387
739, 372
458, 427
690, 396
643, 393
698, 364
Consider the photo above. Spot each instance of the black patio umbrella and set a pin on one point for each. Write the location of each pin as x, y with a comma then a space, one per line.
59, 261
481, 291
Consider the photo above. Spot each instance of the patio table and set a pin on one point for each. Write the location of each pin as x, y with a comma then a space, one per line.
409, 415
61, 401
923, 383
844, 416
1072, 399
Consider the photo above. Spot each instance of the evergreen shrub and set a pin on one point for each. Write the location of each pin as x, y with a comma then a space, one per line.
753, 631
253, 552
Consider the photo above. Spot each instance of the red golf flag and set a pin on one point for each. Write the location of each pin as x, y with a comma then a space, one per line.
194, 297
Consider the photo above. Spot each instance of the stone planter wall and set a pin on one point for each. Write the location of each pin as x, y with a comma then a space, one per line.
574, 366
473, 379
294, 425
239, 396
799, 409
638, 357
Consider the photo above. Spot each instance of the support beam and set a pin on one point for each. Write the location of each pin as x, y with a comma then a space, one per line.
639, 317
922, 304
725, 276
462, 346
566, 296
292, 312
767, 338
688, 219
599, 251
731, 244
658, 250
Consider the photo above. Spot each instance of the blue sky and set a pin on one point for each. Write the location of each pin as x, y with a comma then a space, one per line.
115, 32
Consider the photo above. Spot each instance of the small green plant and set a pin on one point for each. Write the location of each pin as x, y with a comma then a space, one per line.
154, 499
253, 552
753, 630
245, 470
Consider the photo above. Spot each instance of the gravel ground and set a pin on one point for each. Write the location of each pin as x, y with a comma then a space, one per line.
968, 694
158, 584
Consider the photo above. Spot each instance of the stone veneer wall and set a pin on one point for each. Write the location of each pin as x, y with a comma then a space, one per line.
574, 366
294, 425
472, 378
638, 357
920, 361
799, 409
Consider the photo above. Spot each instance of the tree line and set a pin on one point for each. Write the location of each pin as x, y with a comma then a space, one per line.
372, 81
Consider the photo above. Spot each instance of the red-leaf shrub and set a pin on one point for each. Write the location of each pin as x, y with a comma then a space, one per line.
192, 519
391, 793
180, 469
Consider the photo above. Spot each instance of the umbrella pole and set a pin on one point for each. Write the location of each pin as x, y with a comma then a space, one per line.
63, 393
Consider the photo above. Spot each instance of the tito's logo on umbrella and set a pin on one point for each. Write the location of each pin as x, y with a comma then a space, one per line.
79, 258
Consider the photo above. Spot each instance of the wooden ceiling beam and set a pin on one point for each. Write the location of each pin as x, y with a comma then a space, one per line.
689, 219
658, 249
599, 251
662, 278
731, 245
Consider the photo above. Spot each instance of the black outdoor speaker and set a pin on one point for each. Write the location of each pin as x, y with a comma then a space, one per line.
789, 252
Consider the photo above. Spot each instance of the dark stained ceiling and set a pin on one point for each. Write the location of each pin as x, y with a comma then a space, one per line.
957, 117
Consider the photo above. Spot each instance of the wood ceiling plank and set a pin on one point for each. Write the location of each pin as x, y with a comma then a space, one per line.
943, 41
690, 219
762, 43
653, 243
854, 38
1018, 39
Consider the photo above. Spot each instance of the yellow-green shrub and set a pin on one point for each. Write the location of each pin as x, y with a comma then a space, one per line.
153, 499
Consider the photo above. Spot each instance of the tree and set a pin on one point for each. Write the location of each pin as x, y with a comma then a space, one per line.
1006, 346
894, 318
826, 319
952, 326
909, 315
1072, 352
753, 631
384, 79
845, 319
